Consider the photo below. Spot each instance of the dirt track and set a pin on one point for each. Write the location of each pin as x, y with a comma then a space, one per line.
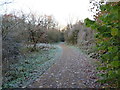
72, 70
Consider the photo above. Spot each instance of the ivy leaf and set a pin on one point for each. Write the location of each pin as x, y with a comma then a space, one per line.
102, 68
113, 49
116, 58
89, 22
115, 63
114, 31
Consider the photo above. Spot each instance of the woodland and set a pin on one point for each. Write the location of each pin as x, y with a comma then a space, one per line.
30, 44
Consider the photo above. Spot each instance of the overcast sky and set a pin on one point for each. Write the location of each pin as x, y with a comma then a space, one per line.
63, 10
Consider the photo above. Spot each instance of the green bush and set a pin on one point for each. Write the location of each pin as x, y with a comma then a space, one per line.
108, 42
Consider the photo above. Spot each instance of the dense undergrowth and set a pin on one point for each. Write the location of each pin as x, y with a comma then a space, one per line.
107, 39
26, 70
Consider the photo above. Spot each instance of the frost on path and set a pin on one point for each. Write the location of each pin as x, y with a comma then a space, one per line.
72, 70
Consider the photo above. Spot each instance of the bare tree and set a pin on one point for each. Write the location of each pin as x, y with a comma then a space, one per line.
38, 28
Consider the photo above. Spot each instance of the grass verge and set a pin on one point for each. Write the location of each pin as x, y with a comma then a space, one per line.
27, 70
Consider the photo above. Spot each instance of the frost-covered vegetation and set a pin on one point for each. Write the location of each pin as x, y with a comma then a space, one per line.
20, 37
26, 70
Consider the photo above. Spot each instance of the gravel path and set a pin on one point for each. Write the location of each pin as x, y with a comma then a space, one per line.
72, 70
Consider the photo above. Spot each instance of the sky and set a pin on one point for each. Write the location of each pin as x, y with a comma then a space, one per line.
64, 11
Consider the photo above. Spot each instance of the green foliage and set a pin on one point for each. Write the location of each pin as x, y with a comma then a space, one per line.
108, 41
89, 22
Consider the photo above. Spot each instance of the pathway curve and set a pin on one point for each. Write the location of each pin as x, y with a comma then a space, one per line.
72, 70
